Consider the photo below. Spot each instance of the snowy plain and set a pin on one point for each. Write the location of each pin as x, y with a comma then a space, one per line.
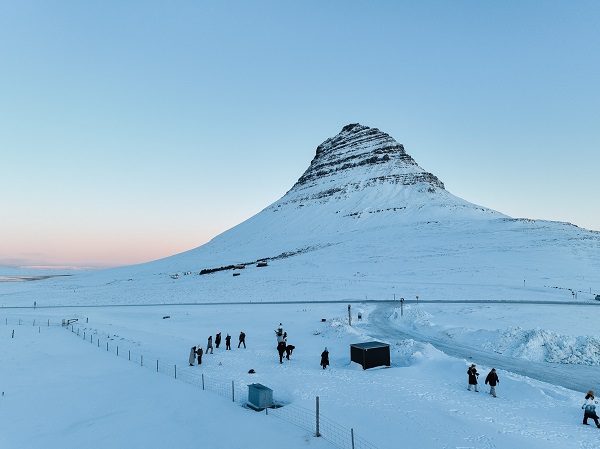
60, 390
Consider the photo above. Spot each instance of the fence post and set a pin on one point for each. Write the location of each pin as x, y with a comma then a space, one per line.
98, 341
19, 321
48, 323
352, 437
175, 371
34, 322
157, 366
91, 336
317, 415
106, 346
13, 334
202, 374
39, 330
117, 351
142, 360
232, 392
130, 355
84, 336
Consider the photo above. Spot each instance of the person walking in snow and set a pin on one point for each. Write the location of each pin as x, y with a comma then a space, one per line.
325, 358
199, 354
492, 379
473, 374
228, 342
281, 350
192, 355
209, 346
218, 340
589, 407
242, 340
288, 351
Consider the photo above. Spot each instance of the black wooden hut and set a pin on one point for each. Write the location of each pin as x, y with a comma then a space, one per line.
370, 354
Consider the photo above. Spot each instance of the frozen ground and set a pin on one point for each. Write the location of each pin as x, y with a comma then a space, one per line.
60, 390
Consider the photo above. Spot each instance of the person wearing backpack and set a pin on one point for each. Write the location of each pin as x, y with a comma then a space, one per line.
589, 407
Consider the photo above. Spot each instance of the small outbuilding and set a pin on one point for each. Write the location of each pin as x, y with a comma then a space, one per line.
259, 396
370, 354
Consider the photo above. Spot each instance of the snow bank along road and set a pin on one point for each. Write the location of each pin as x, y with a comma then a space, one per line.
573, 377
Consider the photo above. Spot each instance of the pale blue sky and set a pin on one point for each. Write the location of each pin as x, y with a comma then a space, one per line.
130, 131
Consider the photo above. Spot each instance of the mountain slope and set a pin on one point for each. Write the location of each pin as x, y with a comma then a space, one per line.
365, 220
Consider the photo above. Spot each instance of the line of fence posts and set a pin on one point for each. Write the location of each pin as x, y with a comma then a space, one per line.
317, 405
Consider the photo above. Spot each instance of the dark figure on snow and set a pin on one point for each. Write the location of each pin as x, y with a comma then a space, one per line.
242, 340
281, 350
589, 407
288, 351
473, 374
228, 342
218, 340
199, 352
209, 346
192, 355
325, 358
279, 333
492, 379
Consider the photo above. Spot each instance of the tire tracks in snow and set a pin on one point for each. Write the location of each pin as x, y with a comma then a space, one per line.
573, 377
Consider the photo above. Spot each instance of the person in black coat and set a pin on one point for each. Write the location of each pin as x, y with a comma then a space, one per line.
325, 358
473, 374
199, 353
228, 342
218, 340
281, 350
492, 379
288, 351
242, 340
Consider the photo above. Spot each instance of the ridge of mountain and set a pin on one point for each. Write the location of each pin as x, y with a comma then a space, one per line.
364, 220
362, 170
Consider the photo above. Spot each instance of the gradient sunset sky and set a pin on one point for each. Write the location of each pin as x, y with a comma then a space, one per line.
131, 131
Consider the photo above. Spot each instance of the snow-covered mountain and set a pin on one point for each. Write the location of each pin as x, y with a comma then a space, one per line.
365, 220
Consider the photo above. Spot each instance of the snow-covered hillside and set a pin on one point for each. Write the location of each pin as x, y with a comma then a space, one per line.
363, 221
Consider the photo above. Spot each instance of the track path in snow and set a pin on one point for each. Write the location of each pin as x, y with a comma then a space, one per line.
574, 377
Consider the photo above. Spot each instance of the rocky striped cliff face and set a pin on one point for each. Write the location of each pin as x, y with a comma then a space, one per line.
356, 159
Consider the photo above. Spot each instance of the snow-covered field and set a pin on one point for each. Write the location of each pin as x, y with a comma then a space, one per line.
60, 390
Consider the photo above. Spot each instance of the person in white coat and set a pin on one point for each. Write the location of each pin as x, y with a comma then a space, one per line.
589, 407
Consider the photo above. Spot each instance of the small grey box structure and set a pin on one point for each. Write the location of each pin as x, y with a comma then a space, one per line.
370, 354
259, 396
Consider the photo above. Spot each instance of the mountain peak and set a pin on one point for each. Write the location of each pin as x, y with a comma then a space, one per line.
358, 158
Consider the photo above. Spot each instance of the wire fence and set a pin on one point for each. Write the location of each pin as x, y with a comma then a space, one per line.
309, 420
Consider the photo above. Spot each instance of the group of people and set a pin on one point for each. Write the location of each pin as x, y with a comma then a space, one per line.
196, 352
491, 379
589, 406
282, 344
283, 348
